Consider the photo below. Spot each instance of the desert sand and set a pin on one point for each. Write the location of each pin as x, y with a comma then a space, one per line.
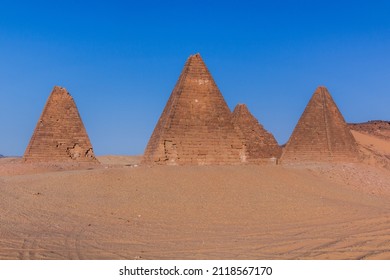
123, 210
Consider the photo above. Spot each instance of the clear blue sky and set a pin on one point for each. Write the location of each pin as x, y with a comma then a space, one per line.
121, 59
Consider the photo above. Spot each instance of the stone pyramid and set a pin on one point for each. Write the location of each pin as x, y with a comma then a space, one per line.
321, 133
260, 144
60, 134
196, 125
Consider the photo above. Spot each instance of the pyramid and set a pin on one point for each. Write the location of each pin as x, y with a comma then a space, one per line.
260, 144
195, 127
60, 134
321, 133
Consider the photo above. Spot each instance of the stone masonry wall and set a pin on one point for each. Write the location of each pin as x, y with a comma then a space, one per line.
321, 133
60, 134
195, 126
259, 142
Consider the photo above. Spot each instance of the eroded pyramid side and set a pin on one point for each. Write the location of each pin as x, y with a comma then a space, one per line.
321, 133
195, 126
260, 144
60, 134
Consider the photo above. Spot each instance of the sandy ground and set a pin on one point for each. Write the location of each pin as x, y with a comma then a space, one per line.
374, 151
121, 210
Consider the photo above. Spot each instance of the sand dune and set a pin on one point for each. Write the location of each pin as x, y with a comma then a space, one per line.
206, 212
376, 144
121, 210
375, 150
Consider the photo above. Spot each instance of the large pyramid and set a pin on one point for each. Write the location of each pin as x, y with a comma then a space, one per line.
260, 144
321, 133
60, 134
195, 126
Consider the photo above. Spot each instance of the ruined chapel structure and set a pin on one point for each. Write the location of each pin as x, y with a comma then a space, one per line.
60, 134
321, 133
260, 144
196, 125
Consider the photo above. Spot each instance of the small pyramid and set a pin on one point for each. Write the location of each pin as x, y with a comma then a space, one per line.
321, 133
60, 134
196, 126
260, 144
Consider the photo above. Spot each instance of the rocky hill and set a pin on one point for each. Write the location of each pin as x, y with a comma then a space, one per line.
373, 138
376, 128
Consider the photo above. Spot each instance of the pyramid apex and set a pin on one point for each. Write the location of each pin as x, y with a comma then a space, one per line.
241, 107
60, 90
321, 89
195, 57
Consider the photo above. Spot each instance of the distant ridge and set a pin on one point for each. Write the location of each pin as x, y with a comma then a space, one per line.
377, 128
374, 122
